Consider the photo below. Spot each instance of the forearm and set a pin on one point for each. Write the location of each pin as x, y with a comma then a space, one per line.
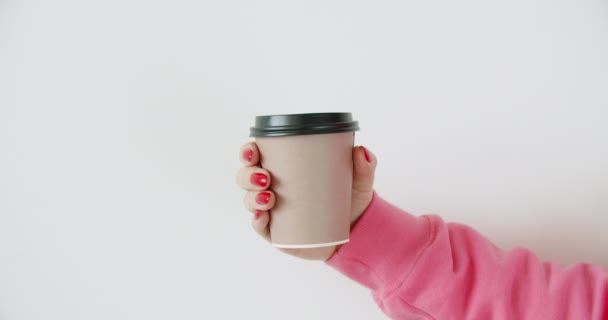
423, 266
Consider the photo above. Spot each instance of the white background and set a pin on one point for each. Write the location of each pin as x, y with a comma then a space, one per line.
120, 123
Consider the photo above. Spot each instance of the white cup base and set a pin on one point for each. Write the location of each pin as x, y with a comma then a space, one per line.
314, 245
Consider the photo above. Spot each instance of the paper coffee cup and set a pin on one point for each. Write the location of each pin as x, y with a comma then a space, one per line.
310, 159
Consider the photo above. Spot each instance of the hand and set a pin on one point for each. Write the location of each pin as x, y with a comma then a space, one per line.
256, 182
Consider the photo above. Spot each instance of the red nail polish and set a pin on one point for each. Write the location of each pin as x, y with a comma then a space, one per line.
257, 215
259, 179
366, 153
248, 155
263, 197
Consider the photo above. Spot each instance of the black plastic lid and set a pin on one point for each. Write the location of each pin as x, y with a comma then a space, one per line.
305, 123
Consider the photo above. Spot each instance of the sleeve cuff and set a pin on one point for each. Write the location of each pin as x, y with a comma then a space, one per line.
384, 245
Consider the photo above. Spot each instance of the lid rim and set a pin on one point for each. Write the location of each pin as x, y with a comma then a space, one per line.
303, 124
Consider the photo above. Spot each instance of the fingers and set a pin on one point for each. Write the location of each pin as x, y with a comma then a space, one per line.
263, 201
253, 179
260, 223
256, 180
249, 154
364, 162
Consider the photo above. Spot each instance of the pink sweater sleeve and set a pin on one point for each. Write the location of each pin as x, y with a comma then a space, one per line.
424, 268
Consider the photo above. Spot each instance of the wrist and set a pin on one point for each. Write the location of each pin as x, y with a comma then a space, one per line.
360, 203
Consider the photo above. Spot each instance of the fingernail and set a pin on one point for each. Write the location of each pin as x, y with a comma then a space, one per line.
263, 197
248, 155
257, 215
259, 179
366, 153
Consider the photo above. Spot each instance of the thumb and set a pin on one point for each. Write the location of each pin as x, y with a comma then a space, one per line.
364, 167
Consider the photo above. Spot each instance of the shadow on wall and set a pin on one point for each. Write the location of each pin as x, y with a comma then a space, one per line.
559, 242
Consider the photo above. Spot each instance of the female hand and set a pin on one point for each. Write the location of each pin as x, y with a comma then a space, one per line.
259, 199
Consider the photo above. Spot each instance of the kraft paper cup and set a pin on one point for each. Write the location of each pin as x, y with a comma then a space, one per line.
310, 159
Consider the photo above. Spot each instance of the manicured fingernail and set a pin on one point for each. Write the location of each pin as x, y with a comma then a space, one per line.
257, 215
259, 179
263, 197
248, 155
366, 153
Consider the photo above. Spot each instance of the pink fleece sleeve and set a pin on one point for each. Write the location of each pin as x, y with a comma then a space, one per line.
424, 268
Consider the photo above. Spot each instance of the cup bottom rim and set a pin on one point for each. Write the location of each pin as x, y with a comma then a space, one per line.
313, 245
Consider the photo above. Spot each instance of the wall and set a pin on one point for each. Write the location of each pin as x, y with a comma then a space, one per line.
120, 123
